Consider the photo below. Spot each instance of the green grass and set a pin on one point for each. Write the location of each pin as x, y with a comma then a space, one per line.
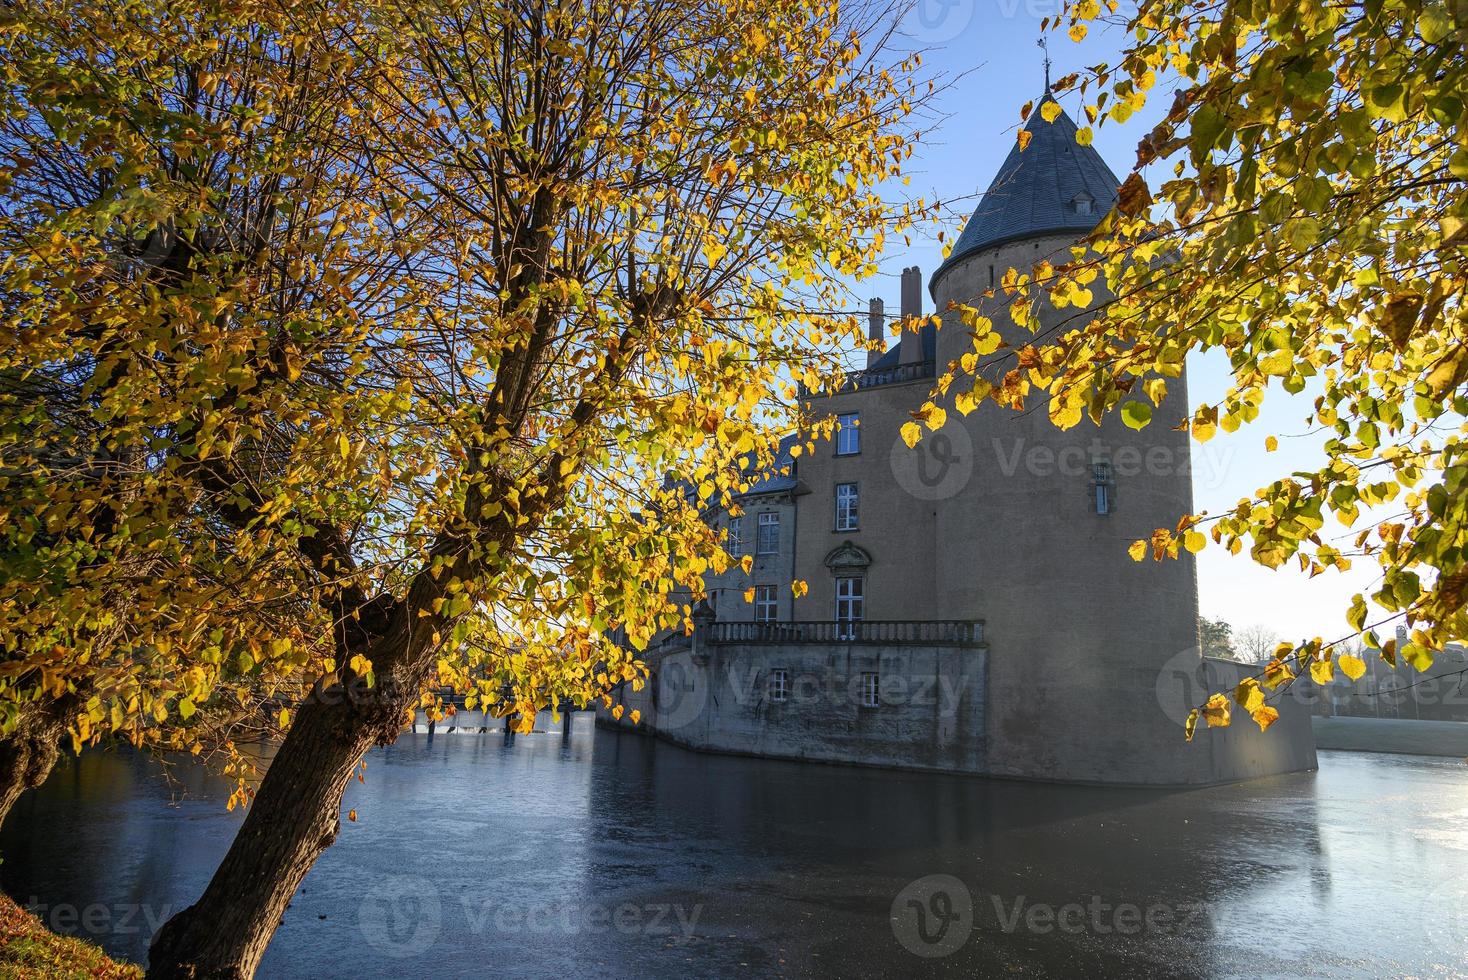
29, 951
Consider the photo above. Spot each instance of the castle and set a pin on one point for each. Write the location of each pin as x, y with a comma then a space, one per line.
971, 605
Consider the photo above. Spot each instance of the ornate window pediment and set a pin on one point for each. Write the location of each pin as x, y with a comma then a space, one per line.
848, 559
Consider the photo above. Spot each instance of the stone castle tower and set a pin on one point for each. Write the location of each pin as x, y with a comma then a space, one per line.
971, 605
1038, 537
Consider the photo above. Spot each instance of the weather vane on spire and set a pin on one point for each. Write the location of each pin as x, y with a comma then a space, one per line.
1044, 45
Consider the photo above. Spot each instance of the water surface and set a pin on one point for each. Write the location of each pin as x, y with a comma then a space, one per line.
607, 854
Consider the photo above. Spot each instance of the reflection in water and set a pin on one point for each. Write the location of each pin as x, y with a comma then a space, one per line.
611, 854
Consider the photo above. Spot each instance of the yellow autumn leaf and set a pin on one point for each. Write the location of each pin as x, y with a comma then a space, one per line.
1248, 695
1217, 712
1322, 671
912, 433
1264, 717
1352, 666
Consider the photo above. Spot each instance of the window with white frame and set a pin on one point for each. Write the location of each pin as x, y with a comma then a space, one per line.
847, 516
764, 603
779, 684
1103, 488
850, 606
871, 690
767, 540
848, 434
736, 536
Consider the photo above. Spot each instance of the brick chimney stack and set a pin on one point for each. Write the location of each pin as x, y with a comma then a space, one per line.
912, 307
876, 324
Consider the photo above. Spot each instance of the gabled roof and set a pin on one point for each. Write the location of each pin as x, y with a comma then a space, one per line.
1037, 190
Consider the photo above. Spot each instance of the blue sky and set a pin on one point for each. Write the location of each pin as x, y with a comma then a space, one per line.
987, 49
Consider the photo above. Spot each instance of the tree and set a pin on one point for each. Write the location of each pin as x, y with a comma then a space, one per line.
1313, 229
1257, 644
1217, 636
170, 364
537, 256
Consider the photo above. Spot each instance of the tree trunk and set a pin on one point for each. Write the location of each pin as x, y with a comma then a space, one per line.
29, 754
294, 817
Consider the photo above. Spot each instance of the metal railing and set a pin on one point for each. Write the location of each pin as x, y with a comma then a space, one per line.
939, 632
901, 374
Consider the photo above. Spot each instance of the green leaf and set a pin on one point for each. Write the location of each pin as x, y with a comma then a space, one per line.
1136, 415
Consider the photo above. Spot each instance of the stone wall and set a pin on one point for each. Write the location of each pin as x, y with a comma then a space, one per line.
934, 713
1242, 751
718, 697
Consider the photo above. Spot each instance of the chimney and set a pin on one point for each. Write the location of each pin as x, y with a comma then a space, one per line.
876, 322
912, 307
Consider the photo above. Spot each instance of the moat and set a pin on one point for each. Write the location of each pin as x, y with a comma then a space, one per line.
605, 854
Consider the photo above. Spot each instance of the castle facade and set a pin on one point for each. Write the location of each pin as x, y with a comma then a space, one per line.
971, 605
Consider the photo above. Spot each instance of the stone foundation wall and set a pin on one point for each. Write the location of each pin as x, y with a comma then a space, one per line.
720, 698
933, 713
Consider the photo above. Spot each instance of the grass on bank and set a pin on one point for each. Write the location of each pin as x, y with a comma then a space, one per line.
30, 951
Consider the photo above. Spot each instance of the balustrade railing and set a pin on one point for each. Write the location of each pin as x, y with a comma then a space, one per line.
902, 373
941, 632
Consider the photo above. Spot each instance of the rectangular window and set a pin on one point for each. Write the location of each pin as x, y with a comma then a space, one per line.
779, 684
736, 536
1103, 488
764, 603
768, 540
871, 691
850, 607
848, 434
846, 507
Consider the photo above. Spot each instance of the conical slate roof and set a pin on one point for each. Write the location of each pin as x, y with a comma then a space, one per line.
1054, 185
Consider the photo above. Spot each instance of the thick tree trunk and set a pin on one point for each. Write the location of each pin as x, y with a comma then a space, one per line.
294, 817
29, 754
